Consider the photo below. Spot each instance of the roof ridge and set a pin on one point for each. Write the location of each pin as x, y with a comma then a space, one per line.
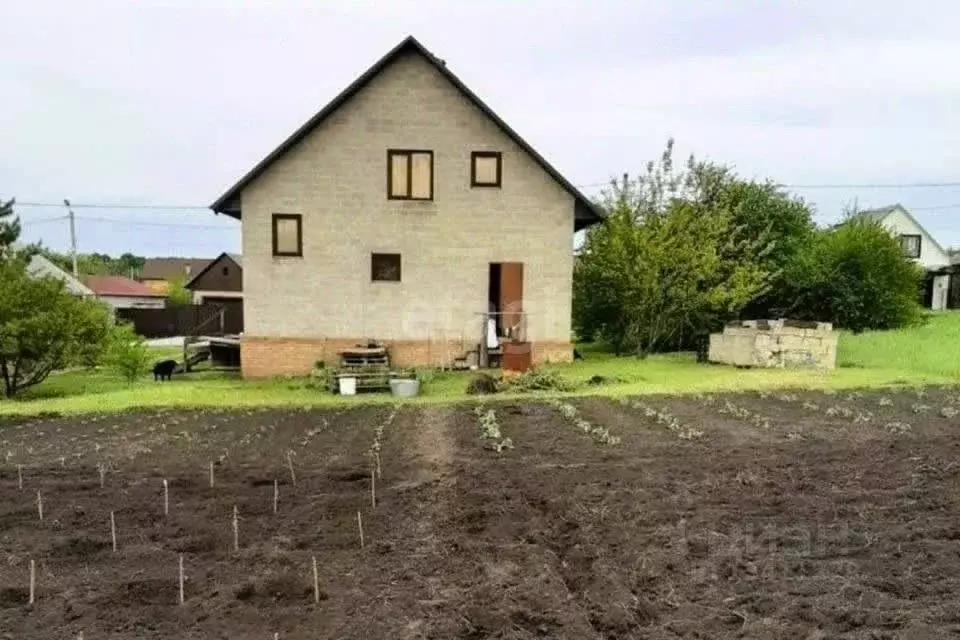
228, 202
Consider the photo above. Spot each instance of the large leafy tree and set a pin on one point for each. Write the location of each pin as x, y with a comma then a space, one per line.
856, 276
670, 260
42, 326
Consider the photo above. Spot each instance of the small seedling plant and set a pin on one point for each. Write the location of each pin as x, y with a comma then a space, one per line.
490, 431
599, 433
666, 419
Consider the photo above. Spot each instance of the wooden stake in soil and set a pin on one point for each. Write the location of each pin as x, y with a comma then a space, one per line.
316, 582
166, 497
360, 527
276, 494
211, 474
113, 531
293, 475
236, 528
63, 462
103, 474
20, 476
181, 578
373, 488
39, 505
33, 581
379, 471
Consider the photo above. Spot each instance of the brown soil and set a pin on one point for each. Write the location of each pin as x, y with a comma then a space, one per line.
782, 516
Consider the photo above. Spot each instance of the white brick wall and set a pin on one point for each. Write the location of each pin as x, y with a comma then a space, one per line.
336, 178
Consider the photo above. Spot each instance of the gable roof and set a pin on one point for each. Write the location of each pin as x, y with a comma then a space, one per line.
167, 268
880, 214
585, 211
235, 257
120, 286
40, 266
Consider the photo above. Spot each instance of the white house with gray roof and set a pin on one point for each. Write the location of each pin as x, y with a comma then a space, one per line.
918, 245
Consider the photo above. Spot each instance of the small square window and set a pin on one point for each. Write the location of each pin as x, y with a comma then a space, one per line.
486, 169
409, 175
385, 267
910, 245
287, 234
225, 271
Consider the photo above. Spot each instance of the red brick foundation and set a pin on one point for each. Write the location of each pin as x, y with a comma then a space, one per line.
272, 357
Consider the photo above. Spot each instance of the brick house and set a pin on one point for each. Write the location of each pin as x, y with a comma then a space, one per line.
157, 273
401, 212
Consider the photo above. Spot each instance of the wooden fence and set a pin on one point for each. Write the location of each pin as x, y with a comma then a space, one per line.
209, 319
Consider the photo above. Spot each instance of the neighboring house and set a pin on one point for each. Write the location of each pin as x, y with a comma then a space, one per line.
402, 212
220, 281
40, 266
918, 245
121, 292
158, 272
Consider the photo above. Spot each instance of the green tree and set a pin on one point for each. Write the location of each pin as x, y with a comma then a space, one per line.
98, 264
43, 327
127, 353
669, 260
856, 276
177, 293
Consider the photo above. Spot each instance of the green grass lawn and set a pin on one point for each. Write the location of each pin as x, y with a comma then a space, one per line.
928, 354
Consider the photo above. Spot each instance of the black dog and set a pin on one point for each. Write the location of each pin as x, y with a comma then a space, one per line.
164, 369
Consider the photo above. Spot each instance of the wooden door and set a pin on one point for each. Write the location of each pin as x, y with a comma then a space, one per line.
511, 296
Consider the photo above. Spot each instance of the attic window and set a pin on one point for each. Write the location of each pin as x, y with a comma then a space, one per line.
910, 245
287, 234
409, 174
385, 267
486, 169
225, 271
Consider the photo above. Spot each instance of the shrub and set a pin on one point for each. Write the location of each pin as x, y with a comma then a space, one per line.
127, 353
482, 384
43, 327
539, 380
855, 276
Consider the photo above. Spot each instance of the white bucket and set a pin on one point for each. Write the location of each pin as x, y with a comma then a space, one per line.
348, 386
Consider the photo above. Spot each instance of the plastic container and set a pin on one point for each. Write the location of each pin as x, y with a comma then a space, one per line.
348, 386
404, 387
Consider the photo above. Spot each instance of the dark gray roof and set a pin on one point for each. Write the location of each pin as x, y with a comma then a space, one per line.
236, 257
585, 211
879, 213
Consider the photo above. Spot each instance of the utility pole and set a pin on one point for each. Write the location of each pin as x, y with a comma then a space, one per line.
73, 238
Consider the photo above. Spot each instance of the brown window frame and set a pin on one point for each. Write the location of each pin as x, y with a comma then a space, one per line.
473, 168
408, 153
273, 223
903, 249
373, 267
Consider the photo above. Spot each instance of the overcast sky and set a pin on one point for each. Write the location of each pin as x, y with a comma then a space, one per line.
170, 102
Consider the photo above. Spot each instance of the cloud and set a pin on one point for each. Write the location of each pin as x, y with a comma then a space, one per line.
172, 101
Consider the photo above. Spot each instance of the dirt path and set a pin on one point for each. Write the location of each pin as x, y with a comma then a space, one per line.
434, 442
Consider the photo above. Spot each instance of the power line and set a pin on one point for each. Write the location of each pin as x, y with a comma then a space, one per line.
43, 220
906, 185
179, 225
89, 205
876, 185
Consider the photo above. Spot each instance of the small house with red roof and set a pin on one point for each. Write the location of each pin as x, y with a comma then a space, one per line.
121, 292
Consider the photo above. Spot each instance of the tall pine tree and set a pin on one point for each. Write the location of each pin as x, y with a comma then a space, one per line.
9, 227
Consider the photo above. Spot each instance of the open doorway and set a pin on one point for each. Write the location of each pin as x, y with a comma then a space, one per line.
505, 298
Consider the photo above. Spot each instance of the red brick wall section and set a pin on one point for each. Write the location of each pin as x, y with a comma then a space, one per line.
274, 357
